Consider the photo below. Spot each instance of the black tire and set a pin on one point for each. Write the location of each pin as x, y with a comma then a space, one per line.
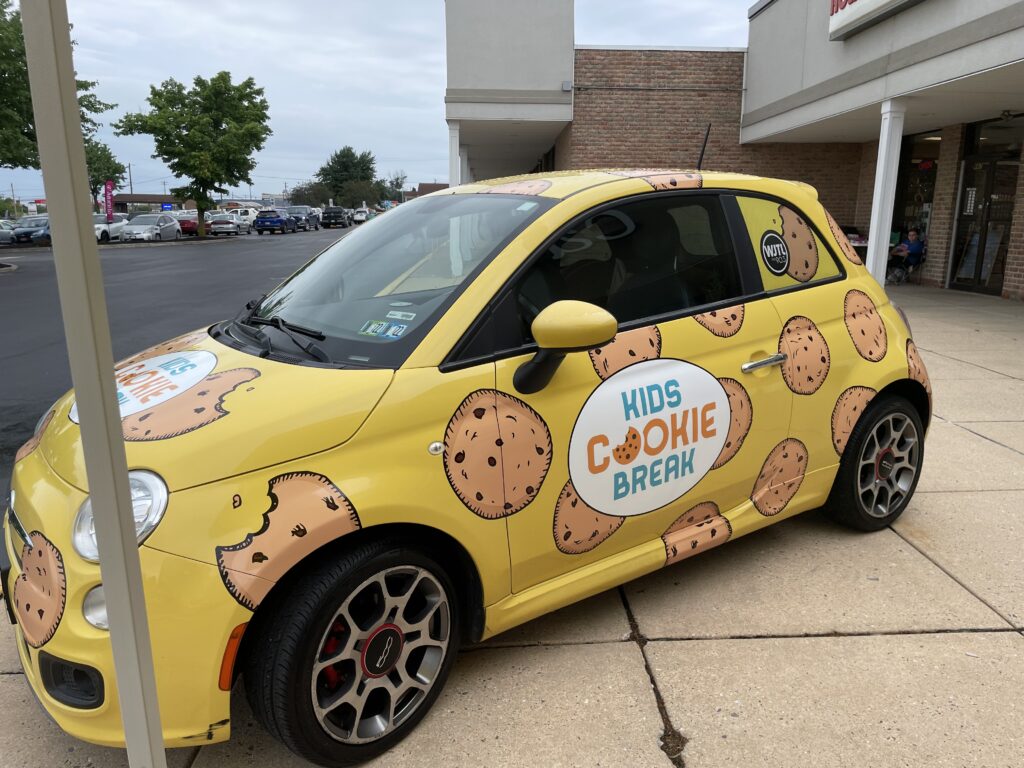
304, 619
327, 226
866, 475
104, 237
259, 231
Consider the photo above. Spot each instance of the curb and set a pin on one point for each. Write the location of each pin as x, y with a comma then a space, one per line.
5, 267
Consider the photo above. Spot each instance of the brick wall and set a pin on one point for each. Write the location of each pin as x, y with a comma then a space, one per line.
940, 229
865, 186
650, 109
1013, 279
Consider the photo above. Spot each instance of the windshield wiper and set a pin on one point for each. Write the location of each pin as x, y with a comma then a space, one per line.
290, 329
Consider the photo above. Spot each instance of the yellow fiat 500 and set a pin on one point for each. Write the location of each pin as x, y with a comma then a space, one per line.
488, 404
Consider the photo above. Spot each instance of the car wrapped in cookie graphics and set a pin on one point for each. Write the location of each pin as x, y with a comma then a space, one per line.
494, 401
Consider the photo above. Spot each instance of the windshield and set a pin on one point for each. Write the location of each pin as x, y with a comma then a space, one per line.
31, 221
303, 209
223, 217
147, 219
101, 218
376, 293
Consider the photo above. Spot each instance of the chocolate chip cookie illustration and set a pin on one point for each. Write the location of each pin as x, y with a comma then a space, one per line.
697, 529
807, 356
803, 250
916, 369
865, 326
579, 528
741, 414
40, 591
723, 322
197, 406
844, 242
178, 344
849, 407
497, 451
627, 452
33, 442
306, 512
518, 188
626, 348
780, 477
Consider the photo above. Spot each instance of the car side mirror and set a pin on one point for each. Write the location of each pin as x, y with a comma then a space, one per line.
561, 328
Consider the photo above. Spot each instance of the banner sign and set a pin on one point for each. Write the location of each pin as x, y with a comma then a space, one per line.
108, 199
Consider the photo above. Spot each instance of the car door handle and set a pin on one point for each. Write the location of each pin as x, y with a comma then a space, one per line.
754, 365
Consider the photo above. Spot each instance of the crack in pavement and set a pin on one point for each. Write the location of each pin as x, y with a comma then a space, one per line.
672, 741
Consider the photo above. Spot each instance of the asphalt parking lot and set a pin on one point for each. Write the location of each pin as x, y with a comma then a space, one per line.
804, 644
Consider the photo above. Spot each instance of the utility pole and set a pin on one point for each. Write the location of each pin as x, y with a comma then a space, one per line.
14, 202
165, 187
131, 188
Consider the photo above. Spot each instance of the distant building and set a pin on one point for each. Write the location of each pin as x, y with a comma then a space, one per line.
424, 188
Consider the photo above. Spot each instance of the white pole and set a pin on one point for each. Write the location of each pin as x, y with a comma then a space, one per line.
889, 139
454, 160
80, 284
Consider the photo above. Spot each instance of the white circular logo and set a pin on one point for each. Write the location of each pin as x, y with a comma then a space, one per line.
646, 436
774, 253
148, 383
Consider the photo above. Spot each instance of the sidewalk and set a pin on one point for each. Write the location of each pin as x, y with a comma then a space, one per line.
802, 645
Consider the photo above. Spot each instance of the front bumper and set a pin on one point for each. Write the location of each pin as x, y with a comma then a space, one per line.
129, 237
191, 617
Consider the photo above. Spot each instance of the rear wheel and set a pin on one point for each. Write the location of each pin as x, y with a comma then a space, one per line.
354, 653
104, 237
880, 467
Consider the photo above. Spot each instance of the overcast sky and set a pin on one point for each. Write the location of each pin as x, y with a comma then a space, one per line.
333, 76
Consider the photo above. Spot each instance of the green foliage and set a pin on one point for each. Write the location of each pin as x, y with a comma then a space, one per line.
205, 134
312, 193
102, 165
346, 166
17, 124
354, 193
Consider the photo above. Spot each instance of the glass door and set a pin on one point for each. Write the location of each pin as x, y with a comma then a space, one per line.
983, 227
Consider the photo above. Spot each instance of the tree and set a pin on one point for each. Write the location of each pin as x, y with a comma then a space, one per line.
393, 185
354, 193
17, 123
205, 134
102, 165
345, 166
313, 193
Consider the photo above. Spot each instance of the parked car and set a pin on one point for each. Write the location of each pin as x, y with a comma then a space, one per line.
360, 216
188, 220
305, 218
106, 232
6, 232
42, 236
416, 443
152, 226
227, 224
246, 215
26, 226
335, 216
275, 220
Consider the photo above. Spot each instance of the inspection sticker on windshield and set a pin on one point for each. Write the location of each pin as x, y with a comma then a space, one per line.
383, 329
395, 315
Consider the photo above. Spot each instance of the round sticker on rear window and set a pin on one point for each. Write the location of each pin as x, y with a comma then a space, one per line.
646, 436
774, 253
156, 380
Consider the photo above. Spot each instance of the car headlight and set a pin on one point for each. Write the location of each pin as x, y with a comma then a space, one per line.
149, 501
94, 608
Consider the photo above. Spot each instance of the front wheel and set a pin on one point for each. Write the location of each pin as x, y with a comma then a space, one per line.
880, 466
354, 653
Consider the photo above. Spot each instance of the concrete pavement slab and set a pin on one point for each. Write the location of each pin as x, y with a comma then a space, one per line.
976, 537
583, 705
911, 700
29, 739
1008, 433
9, 661
601, 618
989, 400
1006, 364
804, 576
958, 460
943, 367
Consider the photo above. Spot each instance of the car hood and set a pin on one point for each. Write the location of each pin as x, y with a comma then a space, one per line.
195, 411
139, 227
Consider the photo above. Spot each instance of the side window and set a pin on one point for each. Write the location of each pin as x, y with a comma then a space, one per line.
787, 251
641, 259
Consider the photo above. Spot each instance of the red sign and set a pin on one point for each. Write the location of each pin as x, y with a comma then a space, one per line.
40, 202
108, 200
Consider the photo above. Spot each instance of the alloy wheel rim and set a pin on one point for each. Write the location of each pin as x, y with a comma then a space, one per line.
381, 654
889, 463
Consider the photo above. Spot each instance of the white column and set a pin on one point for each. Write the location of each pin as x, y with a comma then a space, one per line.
454, 160
465, 175
889, 139
83, 304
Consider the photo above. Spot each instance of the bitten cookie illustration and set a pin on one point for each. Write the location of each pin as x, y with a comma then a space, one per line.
497, 451
165, 348
579, 528
627, 452
625, 349
201, 404
844, 242
40, 591
741, 414
698, 529
518, 188
33, 442
723, 322
916, 369
849, 407
306, 512
807, 356
865, 326
780, 477
803, 250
